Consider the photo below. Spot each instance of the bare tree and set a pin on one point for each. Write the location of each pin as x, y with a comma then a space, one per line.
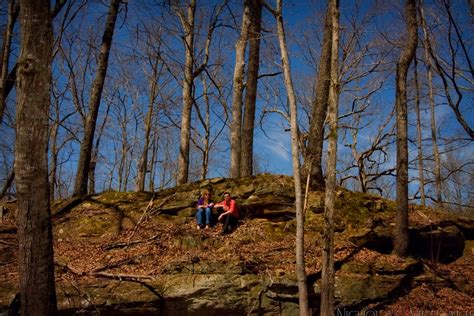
300, 263
458, 171
13, 9
153, 163
206, 140
314, 149
8, 183
237, 93
421, 177
62, 132
370, 162
434, 137
122, 140
246, 163
8, 78
56, 122
327, 278
206, 122
154, 62
80, 186
190, 73
96, 150
187, 22
35, 240
401, 221
450, 73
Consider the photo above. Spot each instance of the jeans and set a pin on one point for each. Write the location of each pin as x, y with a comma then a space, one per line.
204, 216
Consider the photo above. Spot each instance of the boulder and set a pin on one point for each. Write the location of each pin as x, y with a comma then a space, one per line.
359, 283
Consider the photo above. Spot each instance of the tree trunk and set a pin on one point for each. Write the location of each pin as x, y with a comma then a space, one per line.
54, 157
401, 221
246, 167
13, 10
419, 136
129, 163
314, 150
300, 263
123, 152
327, 278
237, 92
80, 186
95, 152
190, 73
434, 137
154, 154
35, 240
143, 165
8, 183
206, 148
183, 162
93, 165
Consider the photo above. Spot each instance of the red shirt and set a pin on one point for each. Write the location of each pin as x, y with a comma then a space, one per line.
232, 207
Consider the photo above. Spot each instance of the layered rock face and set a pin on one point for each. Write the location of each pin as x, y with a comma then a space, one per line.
140, 253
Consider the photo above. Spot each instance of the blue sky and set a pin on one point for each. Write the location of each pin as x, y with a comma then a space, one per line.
273, 150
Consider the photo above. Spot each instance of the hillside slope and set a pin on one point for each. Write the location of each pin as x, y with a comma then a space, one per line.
140, 253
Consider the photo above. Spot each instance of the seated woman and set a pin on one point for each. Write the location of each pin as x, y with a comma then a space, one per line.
230, 216
204, 210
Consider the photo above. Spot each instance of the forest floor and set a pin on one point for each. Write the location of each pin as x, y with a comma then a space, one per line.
156, 247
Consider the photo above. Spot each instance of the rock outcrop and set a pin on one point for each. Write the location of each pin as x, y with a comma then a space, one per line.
139, 253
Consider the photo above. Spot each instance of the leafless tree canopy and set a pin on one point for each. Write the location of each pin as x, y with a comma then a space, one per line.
196, 89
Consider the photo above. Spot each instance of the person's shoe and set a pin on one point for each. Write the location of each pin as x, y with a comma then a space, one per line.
198, 227
207, 227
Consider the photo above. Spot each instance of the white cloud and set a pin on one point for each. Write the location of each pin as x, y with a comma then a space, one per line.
279, 149
276, 149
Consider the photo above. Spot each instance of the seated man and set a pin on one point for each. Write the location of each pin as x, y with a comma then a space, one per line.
230, 215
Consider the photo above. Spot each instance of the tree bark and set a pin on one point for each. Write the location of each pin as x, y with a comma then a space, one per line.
434, 137
8, 183
143, 164
314, 150
13, 10
246, 167
80, 186
300, 263
327, 278
95, 152
154, 154
401, 221
54, 155
188, 25
421, 177
237, 92
206, 147
35, 240
124, 148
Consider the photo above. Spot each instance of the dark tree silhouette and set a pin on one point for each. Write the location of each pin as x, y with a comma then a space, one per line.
35, 253
401, 222
82, 175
